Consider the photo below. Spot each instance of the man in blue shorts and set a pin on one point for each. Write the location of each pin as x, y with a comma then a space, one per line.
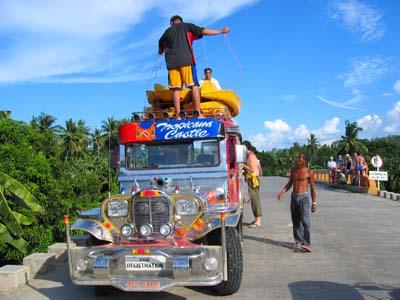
176, 44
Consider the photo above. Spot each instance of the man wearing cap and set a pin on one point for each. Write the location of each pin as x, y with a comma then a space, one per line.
176, 44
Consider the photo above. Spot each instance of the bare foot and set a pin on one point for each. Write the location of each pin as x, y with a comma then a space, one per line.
254, 225
306, 248
296, 245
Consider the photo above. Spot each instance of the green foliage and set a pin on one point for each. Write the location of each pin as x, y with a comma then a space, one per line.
63, 180
17, 206
350, 142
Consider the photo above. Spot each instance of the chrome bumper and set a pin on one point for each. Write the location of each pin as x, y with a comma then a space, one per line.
108, 265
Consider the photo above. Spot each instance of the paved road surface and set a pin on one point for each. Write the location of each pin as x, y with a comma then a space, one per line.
356, 242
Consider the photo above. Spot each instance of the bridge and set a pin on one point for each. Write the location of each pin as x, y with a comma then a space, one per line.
356, 255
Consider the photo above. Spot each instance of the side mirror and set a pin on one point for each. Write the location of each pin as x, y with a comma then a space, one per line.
241, 154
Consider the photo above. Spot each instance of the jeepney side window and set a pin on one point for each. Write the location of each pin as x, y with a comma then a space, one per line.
206, 152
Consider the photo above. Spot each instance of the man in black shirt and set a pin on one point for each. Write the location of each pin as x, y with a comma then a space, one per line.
176, 43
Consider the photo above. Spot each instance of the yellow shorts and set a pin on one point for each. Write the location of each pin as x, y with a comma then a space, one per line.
177, 77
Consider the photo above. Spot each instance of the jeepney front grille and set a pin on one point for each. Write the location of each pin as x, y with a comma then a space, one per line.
151, 210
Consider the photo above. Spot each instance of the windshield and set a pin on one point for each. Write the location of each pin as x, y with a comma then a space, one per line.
196, 153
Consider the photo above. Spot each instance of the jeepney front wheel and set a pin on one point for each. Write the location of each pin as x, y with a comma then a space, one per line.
234, 260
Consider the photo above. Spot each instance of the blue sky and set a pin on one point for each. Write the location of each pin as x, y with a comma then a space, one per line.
299, 66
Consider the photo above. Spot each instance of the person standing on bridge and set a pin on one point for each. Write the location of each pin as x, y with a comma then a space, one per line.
300, 206
176, 43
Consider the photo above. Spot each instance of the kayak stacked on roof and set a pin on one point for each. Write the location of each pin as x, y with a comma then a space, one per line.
212, 100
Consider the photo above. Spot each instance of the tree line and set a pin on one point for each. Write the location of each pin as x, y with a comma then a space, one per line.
278, 162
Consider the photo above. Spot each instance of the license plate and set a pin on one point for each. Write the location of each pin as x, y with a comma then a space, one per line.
145, 263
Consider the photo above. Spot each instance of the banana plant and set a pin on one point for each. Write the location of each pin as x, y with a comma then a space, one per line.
17, 209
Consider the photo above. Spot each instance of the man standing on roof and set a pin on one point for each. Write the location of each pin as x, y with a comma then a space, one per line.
209, 79
176, 43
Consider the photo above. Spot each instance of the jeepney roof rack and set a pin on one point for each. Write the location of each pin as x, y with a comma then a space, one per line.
152, 115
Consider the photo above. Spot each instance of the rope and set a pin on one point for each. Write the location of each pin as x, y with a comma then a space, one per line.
153, 70
204, 52
233, 53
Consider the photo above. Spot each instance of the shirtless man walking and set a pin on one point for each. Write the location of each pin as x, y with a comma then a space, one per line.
300, 206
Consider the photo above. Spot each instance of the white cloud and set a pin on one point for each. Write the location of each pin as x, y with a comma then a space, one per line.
364, 71
393, 126
348, 104
396, 86
301, 133
370, 125
277, 126
259, 141
86, 41
360, 18
330, 126
280, 134
387, 94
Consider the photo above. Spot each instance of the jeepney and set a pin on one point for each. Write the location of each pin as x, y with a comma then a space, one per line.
177, 220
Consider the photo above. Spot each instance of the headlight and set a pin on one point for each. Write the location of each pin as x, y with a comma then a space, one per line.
81, 265
117, 208
126, 230
187, 207
165, 229
146, 230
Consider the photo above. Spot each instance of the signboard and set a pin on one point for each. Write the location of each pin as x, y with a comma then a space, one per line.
377, 161
162, 130
187, 129
378, 175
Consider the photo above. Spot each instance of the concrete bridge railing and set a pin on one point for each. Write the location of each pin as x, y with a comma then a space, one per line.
322, 176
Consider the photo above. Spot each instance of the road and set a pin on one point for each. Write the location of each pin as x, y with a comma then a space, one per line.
356, 255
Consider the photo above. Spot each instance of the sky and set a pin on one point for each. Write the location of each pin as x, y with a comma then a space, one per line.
299, 67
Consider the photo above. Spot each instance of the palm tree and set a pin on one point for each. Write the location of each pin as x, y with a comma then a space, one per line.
312, 147
97, 140
5, 114
44, 123
74, 138
17, 208
110, 129
350, 143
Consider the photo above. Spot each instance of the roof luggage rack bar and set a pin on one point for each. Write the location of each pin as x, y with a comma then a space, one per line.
151, 115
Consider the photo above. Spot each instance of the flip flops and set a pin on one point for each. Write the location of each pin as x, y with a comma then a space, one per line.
254, 225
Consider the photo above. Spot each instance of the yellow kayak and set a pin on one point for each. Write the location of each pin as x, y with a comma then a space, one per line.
210, 108
208, 93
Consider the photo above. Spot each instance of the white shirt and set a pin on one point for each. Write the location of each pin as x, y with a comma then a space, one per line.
213, 81
332, 164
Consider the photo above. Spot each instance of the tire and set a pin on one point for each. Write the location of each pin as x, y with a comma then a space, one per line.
240, 228
234, 260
